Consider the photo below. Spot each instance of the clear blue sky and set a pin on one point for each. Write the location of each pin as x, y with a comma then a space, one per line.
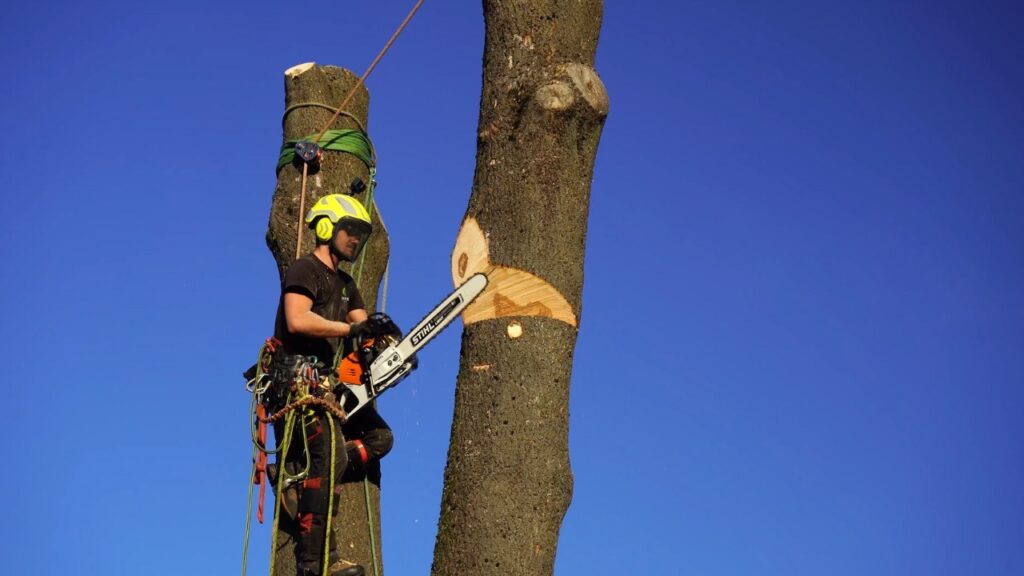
802, 340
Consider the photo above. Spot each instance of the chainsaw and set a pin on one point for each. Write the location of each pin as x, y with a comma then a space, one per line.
384, 357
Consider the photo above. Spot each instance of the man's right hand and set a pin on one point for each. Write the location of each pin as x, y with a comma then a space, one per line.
359, 329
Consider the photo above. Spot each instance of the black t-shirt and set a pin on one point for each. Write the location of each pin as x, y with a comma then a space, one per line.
334, 294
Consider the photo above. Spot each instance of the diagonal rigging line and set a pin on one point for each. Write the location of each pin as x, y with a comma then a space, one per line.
341, 107
373, 65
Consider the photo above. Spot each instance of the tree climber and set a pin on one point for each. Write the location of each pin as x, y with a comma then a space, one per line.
320, 306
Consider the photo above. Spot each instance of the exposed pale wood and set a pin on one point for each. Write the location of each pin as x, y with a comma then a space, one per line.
471, 252
298, 69
510, 291
514, 329
589, 84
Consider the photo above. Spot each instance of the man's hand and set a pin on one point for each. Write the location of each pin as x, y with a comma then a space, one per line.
357, 329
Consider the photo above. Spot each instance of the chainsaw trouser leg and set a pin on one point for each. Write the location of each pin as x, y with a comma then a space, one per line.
370, 440
316, 488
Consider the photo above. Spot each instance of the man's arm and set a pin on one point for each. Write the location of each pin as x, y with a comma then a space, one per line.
357, 315
300, 318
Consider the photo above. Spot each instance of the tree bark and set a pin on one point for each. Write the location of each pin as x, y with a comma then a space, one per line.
311, 94
508, 481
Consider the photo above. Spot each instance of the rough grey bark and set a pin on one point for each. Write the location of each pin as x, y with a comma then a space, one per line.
508, 481
327, 85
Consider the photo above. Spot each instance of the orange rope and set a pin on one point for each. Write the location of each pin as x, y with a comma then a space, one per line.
302, 210
368, 70
341, 107
261, 460
329, 405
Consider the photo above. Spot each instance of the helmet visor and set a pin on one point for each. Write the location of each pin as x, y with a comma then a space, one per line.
357, 228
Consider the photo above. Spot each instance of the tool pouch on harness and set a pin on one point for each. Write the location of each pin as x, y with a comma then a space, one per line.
288, 369
277, 372
276, 378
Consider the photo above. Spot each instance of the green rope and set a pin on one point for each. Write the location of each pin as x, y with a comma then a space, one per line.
330, 497
357, 275
248, 513
357, 268
283, 472
369, 523
354, 142
384, 288
256, 449
282, 479
366, 481
289, 425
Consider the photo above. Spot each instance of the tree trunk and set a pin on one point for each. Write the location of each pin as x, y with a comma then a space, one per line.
508, 482
312, 93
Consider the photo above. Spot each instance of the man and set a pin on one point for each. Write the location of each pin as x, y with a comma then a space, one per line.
320, 306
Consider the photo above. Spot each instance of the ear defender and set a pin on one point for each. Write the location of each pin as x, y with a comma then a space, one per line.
324, 229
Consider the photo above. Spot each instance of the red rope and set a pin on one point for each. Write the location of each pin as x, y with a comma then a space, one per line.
261, 460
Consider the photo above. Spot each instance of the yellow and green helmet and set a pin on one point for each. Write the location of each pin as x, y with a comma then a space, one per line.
339, 212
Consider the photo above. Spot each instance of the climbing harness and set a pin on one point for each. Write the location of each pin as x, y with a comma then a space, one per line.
295, 383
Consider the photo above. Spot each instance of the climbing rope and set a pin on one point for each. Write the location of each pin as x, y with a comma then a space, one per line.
354, 142
248, 515
328, 405
340, 110
298, 105
330, 500
366, 481
369, 525
302, 210
370, 68
289, 425
357, 267
258, 385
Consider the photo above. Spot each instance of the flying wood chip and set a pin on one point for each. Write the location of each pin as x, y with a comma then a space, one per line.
510, 291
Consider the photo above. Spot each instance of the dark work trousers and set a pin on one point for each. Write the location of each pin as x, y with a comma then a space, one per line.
313, 499
369, 440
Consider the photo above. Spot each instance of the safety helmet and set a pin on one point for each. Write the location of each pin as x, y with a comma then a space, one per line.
336, 212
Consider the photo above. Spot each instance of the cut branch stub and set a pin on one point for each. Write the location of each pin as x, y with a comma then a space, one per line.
510, 291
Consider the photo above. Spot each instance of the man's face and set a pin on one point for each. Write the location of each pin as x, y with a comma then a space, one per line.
347, 242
